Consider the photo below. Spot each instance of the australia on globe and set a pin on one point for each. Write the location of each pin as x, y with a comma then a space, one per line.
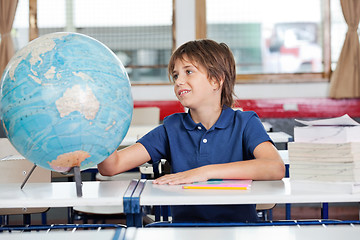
65, 101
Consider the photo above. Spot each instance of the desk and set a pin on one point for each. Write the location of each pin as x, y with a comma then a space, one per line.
281, 191
284, 154
348, 232
261, 192
280, 137
62, 194
268, 127
145, 193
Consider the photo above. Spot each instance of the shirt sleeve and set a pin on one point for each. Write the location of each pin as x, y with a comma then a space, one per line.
156, 143
254, 134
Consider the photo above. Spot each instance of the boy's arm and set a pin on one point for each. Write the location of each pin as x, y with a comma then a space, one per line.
267, 165
124, 160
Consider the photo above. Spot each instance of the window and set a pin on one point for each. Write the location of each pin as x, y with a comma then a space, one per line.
276, 40
20, 30
139, 32
272, 40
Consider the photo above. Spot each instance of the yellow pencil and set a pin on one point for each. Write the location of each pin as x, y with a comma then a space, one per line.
215, 187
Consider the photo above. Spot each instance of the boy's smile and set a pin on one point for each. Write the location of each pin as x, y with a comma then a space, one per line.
183, 91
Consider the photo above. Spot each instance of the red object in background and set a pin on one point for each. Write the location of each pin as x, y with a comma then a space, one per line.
291, 51
276, 108
305, 107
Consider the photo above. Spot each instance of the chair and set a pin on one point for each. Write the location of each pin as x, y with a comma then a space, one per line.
58, 176
14, 169
264, 211
146, 116
141, 117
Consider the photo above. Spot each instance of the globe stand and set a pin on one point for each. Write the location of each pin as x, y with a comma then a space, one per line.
77, 176
78, 181
27, 176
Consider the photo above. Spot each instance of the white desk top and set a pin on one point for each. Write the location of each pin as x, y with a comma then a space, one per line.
267, 126
282, 191
62, 194
348, 232
280, 137
284, 155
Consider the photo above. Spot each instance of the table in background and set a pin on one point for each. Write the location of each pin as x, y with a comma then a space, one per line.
268, 127
284, 154
280, 139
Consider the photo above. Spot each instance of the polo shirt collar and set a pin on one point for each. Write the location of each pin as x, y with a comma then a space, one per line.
224, 120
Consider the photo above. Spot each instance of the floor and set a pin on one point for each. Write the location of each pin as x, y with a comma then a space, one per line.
313, 211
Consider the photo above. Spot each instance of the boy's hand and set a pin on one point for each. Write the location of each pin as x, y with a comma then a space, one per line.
190, 176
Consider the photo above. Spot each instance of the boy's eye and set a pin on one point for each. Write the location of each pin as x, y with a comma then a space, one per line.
188, 71
175, 76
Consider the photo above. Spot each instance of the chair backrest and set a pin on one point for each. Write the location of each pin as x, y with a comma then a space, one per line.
14, 169
261, 207
146, 116
7, 149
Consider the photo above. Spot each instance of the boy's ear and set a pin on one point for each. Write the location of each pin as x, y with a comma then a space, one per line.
217, 85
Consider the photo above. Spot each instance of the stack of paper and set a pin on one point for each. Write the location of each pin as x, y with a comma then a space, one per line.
334, 130
326, 150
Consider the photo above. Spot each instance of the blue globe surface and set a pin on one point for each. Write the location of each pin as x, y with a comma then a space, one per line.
65, 101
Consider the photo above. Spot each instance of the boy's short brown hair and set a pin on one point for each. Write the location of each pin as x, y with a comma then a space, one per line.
216, 58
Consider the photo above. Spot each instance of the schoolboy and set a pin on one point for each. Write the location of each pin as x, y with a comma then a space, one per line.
211, 140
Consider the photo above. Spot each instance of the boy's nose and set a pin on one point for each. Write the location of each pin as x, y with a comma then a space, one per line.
180, 80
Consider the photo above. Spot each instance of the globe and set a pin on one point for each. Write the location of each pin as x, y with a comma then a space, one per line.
65, 101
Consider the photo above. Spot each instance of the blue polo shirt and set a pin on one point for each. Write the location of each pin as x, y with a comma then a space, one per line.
187, 145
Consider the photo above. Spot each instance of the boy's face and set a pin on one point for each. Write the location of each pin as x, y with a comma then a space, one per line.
192, 86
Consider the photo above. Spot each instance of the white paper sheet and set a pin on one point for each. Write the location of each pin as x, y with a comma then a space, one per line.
344, 120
